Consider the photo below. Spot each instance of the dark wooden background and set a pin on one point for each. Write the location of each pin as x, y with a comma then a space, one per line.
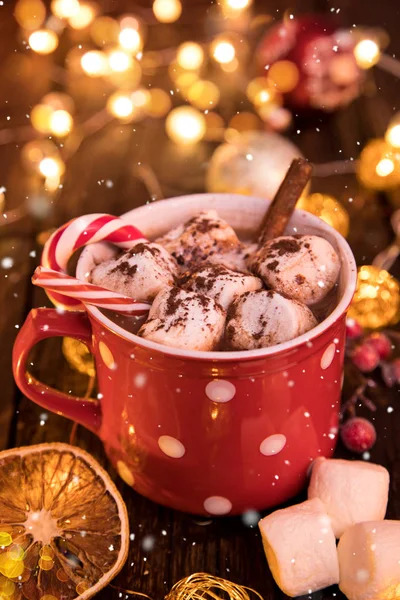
182, 544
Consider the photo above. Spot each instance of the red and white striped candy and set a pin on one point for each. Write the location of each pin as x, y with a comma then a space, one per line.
87, 293
80, 232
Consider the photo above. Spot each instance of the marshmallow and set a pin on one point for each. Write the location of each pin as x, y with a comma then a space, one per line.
140, 273
184, 320
222, 284
352, 491
369, 561
304, 267
265, 318
204, 238
300, 547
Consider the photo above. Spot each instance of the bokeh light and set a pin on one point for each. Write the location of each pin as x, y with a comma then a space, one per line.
120, 105
94, 63
223, 51
284, 75
51, 167
384, 167
61, 122
185, 125
34, 152
376, 302
40, 117
119, 61
84, 17
167, 11
203, 94
104, 31
65, 9
328, 209
30, 14
159, 103
130, 39
190, 56
367, 53
43, 41
379, 165
393, 135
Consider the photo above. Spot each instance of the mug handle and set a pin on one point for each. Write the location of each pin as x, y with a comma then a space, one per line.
40, 324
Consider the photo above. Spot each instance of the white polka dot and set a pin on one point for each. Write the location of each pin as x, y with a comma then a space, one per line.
140, 380
107, 356
220, 390
217, 505
273, 444
328, 356
125, 473
171, 446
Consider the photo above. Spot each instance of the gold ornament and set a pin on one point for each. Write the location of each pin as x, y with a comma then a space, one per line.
376, 302
379, 165
78, 356
202, 586
328, 209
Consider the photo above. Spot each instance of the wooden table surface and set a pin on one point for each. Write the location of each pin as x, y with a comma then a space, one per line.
181, 543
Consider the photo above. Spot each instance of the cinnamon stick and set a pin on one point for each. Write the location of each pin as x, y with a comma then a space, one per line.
282, 206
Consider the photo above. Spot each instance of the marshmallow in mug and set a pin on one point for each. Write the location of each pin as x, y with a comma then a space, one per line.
205, 238
304, 267
140, 273
265, 318
186, 320
221, 284
352, 491
300, 547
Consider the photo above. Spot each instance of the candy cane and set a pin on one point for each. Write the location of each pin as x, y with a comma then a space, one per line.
87, 293
80, 232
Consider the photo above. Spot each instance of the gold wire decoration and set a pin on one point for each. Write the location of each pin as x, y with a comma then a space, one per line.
203, 586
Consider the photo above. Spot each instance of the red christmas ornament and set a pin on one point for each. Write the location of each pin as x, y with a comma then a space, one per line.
328, 75
365, 357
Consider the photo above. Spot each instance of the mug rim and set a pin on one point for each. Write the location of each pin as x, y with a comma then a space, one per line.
223, 356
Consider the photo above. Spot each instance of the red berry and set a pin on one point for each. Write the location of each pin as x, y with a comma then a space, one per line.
358, 434
391, 372
381, 343
353, 329
365, 358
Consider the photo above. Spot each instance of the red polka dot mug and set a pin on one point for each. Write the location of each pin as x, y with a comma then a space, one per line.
211, 433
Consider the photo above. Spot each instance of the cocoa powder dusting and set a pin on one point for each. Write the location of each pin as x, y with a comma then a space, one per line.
299, 279
285, 246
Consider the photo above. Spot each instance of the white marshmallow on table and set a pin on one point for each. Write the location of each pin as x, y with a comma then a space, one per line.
351, 490
184, 320
265, 318
300, 547
139, 273
369, 561
204, 238
304, 267
222, 284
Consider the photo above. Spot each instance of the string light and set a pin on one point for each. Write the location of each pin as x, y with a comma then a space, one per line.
30, 14
393, 135
84, 17
61, 122
43, 41
120, 105
65, 9
185, 125
130, 40
94, 63
367, 53
119, 61
159, 103
40, 118
190, 56
238, 4
384, 167
34, 152
379, 166
223, 51
50, 167
167, 11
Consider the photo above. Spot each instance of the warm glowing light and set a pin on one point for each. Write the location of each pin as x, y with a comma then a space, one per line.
65, 9
185, 125
43, 41
84, 17
284, 75
30, 14
384, 167
190, 56
50, 167
120, 105
393, 136
94, 63
104, 30
328, 209
203, 94
159, 103
223, 51
167, 11
130, 39
367, 53
119, 61
140, 98
61, 122
244, 121
260, 92
238, 4
34, 152
40, 117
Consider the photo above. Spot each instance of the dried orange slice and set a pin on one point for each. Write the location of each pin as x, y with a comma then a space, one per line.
64, 531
